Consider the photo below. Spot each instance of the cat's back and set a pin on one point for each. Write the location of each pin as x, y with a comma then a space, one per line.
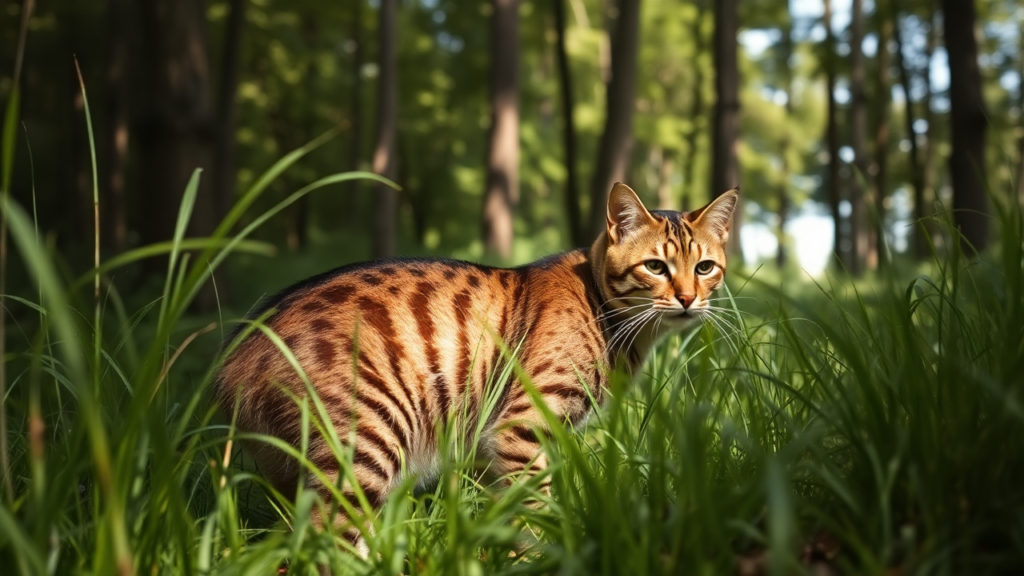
408, 319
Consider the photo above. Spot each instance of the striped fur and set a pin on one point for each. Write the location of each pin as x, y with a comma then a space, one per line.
394, 347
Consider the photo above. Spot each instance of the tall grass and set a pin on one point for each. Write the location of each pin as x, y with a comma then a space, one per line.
866, 427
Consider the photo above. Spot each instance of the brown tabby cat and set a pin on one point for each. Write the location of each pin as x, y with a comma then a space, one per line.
425, 344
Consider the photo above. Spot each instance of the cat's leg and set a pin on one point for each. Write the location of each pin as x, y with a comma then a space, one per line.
515, 450
376, 478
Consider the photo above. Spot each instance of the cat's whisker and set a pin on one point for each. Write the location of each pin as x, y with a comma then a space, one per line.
614, 325
727, 335
619, 330
731, 298
724, 309
637, 298
618, 311
622, 316
640, 329
723, 336
627, 298
628, 328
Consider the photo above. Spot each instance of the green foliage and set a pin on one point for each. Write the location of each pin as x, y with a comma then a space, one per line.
885, 415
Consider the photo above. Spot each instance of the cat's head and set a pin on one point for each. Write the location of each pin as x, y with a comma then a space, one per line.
664, 263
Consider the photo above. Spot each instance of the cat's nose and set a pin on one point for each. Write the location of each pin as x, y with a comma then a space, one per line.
686, 299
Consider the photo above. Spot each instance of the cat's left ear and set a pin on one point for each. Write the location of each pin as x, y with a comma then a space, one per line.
717, 215
626, 213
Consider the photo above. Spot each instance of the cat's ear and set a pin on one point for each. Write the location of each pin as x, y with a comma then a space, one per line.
626, 213
717, 215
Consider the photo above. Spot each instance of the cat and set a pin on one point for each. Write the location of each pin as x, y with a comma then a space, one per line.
393, 347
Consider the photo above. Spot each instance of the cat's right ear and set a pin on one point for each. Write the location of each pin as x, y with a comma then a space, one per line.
626, 213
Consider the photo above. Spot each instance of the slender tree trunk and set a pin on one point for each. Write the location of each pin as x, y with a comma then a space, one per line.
175, 125
913, 157
115, 136
227, 108
832, 137
967, 116
666, 199
303, 207
876, 232
572, 200
784, 149
355, 151
696, 109
1020, 114
928, 163
385, 163
617, 139
503, 157
858, 128
725, 170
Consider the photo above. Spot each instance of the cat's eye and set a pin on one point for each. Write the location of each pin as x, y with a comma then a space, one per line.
656, 267
705, 267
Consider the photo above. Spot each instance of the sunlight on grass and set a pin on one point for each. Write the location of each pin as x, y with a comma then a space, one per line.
883, 419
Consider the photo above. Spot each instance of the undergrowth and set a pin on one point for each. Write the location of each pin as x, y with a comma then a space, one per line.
866, 428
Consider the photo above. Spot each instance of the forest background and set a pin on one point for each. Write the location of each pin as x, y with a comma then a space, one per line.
852, 406
504, 122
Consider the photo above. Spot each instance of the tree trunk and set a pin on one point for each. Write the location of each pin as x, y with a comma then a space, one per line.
115, 136
967, 116
876, 232
572, 200
355, 151
304, 208
617, 138
913, 157
858, 129
1020, 114
832, 137
175, 124
928, 163
696, 110
665, 165
503, 156
784, 149
227, 108
385, 163
725, 173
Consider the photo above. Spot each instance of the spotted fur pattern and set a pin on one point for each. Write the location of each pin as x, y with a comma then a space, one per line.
394, 348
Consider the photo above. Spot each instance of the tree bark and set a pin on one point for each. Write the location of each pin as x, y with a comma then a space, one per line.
572, 200
858, 131
876, 232
174, 124
725, 173
617, 138
503, 155
227, 108
832, 138
115, 135
967, 116
385, 162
